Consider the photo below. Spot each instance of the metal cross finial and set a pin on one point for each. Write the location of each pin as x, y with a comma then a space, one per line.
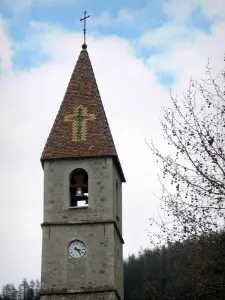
84, 46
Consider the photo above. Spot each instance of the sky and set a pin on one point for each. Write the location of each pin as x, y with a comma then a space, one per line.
139, 51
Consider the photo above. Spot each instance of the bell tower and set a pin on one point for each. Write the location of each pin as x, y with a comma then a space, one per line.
82, 256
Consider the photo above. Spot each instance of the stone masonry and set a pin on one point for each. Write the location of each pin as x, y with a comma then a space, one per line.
98, 274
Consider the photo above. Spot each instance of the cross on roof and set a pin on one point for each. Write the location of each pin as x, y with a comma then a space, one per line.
79, 123
84, 46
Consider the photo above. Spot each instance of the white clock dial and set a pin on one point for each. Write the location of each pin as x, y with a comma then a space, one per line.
76, 249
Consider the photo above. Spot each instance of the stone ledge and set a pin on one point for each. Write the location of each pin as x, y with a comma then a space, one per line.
103, 289
78, 207
47, 224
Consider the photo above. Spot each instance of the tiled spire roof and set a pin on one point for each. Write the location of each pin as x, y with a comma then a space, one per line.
81, 128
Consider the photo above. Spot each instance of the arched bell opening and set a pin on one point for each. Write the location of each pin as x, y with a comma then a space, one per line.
78, 188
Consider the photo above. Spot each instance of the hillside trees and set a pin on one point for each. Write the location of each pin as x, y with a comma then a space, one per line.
193, 179
25, 291
155, 274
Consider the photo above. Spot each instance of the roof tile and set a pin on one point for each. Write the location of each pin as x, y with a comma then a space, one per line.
81, 128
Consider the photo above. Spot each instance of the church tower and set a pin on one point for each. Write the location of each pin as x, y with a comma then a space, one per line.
82, 255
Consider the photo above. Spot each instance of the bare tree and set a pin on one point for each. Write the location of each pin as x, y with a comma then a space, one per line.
193, 177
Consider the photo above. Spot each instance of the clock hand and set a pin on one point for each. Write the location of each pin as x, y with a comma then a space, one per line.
78, 250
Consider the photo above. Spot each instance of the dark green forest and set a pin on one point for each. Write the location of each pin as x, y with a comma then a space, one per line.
194, 269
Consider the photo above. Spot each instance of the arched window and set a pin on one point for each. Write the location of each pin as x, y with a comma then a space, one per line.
78, 188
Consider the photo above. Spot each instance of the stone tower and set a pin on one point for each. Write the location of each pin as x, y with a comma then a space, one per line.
82, 255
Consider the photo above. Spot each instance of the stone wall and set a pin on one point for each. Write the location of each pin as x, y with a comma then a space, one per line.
94, 270
102, 266
101, 190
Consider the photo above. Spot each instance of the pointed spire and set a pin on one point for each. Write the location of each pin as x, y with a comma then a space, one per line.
81, 128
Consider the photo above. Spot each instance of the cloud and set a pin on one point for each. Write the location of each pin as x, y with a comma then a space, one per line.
167, 12
123, 16
19, 5
180, 11
103, 19
6, 51
212, 9
187, 58
167, 35
183, 49
128, 15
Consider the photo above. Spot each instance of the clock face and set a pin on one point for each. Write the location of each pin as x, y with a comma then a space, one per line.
77, 249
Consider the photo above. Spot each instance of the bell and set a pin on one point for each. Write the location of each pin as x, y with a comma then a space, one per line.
79, 195
79, 192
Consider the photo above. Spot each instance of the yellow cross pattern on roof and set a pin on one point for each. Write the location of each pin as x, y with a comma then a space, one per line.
79, 123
